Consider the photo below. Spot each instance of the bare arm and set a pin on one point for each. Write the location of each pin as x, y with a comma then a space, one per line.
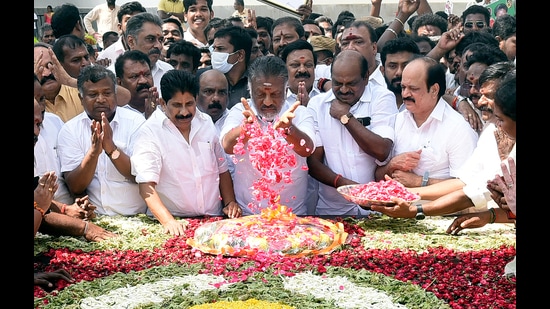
375, 8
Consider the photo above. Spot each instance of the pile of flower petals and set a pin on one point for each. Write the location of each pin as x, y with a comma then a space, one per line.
271, 155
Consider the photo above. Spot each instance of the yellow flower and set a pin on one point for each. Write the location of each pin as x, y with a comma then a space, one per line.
248, 304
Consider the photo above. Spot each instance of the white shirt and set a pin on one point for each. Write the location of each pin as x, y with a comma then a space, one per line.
188, 36
482, 166
112, 52
109, 190
158, 71
45, 155
313, 184
292, 195
187, 174
105, 18
219, 125
446, 140
342, 153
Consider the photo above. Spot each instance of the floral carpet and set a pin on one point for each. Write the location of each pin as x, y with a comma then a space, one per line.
384, 263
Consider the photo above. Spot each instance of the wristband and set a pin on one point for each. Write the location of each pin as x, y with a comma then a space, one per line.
42, 212
85, 228
336, 180
228, 203
321, 83
493, 215
402, 23
425, 179
63, 208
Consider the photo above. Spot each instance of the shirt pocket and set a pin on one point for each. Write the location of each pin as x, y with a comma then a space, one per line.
207, 157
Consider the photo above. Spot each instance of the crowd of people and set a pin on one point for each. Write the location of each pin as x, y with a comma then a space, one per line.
152, 123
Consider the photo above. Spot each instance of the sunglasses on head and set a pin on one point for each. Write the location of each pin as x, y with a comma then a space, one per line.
470, 24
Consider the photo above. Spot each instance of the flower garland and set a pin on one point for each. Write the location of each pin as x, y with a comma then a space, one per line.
396, 262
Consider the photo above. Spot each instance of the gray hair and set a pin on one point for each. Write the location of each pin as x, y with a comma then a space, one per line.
267, 67
135, 24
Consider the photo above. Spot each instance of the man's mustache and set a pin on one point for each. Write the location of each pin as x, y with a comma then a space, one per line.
46, 78
142, 86
215, 105
154, 51
304, 75
178, 116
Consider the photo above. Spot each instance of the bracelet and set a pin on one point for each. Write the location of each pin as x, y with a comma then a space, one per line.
336, 179
425, 179
228, 203
493, 215
63, 208
453, 104
42, 212
85, 228
321, 83
402, 23
392, 31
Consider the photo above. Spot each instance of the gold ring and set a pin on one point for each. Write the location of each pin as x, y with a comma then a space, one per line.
42, 184
469, 115
152, 105
50, 189
510, 186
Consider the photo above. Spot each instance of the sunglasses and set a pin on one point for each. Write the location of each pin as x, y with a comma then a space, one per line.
470, 24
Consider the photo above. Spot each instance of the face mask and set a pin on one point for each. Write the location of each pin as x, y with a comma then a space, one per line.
219, 61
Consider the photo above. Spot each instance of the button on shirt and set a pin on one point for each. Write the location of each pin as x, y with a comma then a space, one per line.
446, 140
292, 195
187, 174
342, 153
109, 190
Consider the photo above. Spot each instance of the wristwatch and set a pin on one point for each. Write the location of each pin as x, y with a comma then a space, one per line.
114, 154
345, 118
419, 212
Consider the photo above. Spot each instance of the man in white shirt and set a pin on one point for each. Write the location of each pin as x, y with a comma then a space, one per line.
267, 107
105, 17
126, 11
178, 161
144, 33
354, 126
93, 147
300, 61
432, 140
468, 192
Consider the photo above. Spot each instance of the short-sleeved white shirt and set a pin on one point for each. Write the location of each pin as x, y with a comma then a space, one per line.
45, 155
292, 195
109, 190
483, 165
187, 174
446, 140
342, 153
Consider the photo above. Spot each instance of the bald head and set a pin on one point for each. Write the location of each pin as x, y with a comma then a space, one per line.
213, 93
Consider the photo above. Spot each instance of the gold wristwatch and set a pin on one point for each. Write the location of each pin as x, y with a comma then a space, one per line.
345, 118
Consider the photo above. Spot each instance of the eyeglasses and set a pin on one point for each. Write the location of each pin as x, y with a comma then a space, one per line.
467, 85
470, 24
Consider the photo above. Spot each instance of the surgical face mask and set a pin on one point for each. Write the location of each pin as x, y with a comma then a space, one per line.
219, 61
